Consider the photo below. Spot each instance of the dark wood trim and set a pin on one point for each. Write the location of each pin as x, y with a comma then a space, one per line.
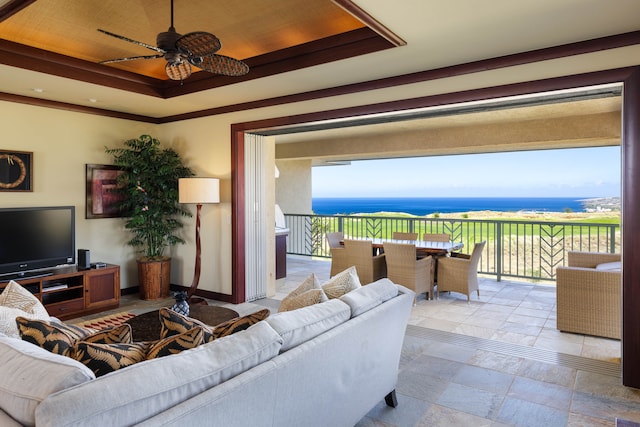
30, 58
631, 230
13, 7
370, 21
341, 46
238, 259
588, 46
346, 45
38, 102
594, 45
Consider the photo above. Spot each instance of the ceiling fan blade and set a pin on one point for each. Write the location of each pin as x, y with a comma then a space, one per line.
131, 58
198, 43
220, 64
127, 39
178, 70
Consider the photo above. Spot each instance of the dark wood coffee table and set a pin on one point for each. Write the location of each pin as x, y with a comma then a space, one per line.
146, 327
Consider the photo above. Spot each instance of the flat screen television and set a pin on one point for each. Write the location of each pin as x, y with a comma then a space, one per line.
36, 238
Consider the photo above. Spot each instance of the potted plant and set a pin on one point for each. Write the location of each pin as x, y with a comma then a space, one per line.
149, 189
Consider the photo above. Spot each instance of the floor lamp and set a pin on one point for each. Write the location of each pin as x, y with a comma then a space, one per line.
198, 191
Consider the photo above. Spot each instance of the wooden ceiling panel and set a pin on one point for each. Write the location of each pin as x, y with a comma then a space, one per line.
247, 28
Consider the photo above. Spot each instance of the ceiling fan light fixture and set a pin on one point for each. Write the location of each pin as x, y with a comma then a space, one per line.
178, 70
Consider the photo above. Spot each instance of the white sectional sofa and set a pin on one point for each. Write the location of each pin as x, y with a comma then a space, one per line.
322, 365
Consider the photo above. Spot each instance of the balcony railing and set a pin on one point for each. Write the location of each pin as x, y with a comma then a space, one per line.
523, 249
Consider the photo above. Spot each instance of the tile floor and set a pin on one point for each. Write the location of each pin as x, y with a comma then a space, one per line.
496, 361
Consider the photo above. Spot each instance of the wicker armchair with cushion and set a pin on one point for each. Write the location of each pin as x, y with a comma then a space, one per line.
460, 274
369, 267
589, 294
404, 269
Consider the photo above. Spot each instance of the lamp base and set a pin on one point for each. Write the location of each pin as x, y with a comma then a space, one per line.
197, 301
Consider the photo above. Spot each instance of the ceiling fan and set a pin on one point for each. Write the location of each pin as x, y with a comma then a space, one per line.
182, 51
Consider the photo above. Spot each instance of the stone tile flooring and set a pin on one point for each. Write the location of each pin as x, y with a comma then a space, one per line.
496, 361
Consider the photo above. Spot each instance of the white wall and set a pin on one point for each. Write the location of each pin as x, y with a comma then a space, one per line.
62, 143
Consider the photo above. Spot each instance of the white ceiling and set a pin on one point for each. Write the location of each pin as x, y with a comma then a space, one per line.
438, 34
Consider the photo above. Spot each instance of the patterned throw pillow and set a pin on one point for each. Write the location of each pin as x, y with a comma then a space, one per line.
16, 301
120, 334
305, 299
105, 358
173, 323
16, 296
342, 283
240, 324
308, 284
55, 337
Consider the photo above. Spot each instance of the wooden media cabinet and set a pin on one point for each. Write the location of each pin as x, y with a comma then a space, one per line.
68, 292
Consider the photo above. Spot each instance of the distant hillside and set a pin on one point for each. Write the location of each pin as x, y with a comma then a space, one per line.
605, 204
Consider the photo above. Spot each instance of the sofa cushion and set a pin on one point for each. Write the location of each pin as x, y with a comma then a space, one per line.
305, 299
156, 385
120, 334
610, 266
291, 299
301, 325
341, 283
55, 337
16, 301
173, 323
367, 297
239, 324
23, 384
16, 296
103, 358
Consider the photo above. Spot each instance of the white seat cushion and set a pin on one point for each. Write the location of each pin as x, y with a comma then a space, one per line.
609, 266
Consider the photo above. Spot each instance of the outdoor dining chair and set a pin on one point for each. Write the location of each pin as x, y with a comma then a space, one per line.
459, 274
338, 253
400, 235
368, 266
436, 237
404, 269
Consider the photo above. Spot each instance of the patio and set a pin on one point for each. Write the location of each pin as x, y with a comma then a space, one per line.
516, 313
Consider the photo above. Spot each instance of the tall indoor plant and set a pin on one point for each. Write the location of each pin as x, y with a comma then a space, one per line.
149, 186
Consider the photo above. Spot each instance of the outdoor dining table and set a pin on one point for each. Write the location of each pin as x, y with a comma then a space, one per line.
423, 247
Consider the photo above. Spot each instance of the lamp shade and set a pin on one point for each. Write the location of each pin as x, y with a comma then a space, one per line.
199, 190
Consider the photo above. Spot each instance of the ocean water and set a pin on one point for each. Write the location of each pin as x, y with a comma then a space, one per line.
424, 206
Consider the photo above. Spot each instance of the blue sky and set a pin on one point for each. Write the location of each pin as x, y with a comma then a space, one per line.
581, 172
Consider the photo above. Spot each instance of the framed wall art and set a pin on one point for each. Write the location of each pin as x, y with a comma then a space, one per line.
16, 171
102, 200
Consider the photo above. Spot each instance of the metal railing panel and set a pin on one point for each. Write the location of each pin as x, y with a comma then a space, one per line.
522, 249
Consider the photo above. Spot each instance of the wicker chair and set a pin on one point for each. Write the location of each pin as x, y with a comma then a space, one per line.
338, 253
404, 269
589, 300
400, 235
436, 237
460, 274
369, 267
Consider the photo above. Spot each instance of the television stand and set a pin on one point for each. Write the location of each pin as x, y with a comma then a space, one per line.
25, 275
68, 292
